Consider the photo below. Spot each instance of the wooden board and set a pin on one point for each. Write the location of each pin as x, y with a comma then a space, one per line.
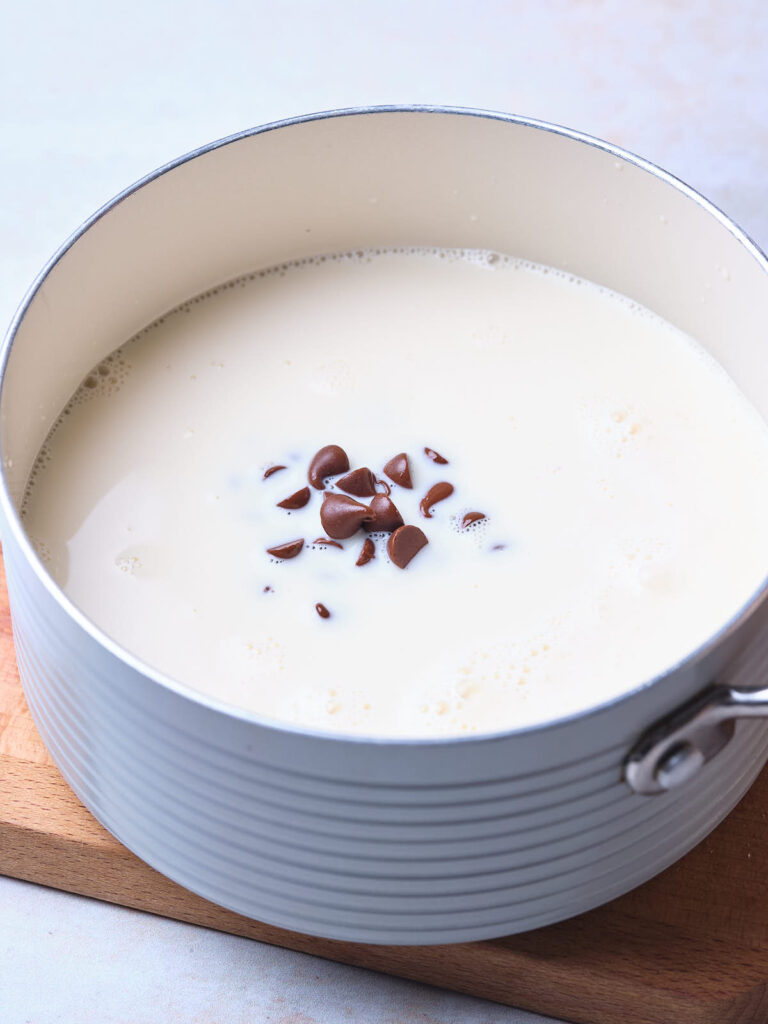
689, 947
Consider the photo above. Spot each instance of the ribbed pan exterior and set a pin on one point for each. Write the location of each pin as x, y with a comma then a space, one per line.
362, 840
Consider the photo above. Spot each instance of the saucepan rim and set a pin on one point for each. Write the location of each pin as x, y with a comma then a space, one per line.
218, 706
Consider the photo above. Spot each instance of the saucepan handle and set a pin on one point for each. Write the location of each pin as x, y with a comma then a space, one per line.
676, 747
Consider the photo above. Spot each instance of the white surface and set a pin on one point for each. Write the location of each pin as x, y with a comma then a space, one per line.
93, 95
69, 960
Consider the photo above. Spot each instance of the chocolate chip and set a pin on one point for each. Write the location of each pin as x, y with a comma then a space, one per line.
397, 469
328, 543
384, 515
327, 462
297, 500
471, 517
360, 482
342, 516
435, 456
322, 611
272, 469
404, 543
367, 552
437, 492
288, 550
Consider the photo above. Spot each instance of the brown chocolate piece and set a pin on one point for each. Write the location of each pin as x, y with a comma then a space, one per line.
272, 469
328, 543
342, 516
399, 470
297, 500
327, 462
435, 456
322, 611
360, 482
384, 515
383, 483
367, 552
404, 543
437, 492
471, 517
288, 550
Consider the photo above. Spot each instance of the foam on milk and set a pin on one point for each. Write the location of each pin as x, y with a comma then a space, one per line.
623, 476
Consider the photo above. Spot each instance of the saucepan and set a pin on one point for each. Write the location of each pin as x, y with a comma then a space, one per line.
385, 840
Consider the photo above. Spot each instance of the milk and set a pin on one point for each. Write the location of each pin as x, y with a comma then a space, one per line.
622, 477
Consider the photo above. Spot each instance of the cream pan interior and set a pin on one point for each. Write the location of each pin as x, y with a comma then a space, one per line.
533, 194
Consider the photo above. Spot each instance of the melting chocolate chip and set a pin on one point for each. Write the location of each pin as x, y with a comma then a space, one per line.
288, 550
398, 470
342, 516
360, 482
297, 500
272, 469
328, 543
367, 552
327, 462
404, 543
471, 517
437, 492
322, 611
384, 515
435, 456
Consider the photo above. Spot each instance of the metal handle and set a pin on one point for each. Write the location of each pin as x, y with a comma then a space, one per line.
674, 749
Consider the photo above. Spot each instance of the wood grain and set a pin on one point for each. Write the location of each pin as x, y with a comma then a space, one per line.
689, 947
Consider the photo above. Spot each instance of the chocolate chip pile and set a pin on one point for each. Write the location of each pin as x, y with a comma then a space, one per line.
342, 515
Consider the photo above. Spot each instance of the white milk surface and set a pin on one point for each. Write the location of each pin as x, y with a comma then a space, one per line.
623, 476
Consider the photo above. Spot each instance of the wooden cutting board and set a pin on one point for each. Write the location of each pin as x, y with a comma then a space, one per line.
689, 947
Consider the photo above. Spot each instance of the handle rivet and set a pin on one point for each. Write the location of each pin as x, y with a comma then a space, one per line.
678, 765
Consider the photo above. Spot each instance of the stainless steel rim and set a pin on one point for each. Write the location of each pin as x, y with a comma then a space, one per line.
14, 523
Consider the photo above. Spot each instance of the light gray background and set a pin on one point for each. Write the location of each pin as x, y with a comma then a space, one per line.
94, 94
